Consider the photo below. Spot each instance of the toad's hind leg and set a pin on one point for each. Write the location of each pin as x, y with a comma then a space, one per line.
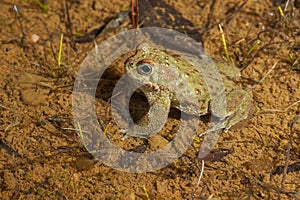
238, 103
238, 107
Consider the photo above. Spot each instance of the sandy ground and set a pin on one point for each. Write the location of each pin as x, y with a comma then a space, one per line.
42, 157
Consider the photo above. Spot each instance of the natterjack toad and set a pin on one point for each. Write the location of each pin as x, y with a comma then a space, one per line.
172, 81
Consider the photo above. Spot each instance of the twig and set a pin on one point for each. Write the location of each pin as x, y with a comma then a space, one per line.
137, 14
3, 106
264, 77
284, 110
210, 14
228, 18
132, 13
74, 129
287, 158
69, 26
18, 15
8, 149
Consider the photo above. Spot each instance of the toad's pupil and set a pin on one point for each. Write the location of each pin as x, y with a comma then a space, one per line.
144, 69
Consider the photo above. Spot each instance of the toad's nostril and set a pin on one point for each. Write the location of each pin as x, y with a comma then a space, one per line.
129, 62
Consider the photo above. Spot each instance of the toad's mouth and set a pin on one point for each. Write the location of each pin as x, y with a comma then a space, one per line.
155, 87
146, 86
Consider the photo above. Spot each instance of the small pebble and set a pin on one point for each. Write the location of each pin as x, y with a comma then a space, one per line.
35, 38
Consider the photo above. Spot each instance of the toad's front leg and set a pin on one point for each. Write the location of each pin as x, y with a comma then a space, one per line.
154, 120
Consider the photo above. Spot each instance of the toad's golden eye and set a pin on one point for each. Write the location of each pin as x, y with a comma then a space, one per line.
144, 69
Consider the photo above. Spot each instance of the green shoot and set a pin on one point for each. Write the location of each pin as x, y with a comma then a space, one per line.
146, 193
280, 11
285, 24
225, 44
81, 134
196, 139
293, 59
276, 136
60, 51
44, 6
105, 129
80, 130
291, 56
253, 48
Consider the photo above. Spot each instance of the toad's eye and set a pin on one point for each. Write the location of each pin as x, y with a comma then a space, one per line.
144, 69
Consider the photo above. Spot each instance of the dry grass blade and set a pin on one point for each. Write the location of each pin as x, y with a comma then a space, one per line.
199, 179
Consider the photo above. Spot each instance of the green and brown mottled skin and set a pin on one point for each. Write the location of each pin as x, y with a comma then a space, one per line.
172, 81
